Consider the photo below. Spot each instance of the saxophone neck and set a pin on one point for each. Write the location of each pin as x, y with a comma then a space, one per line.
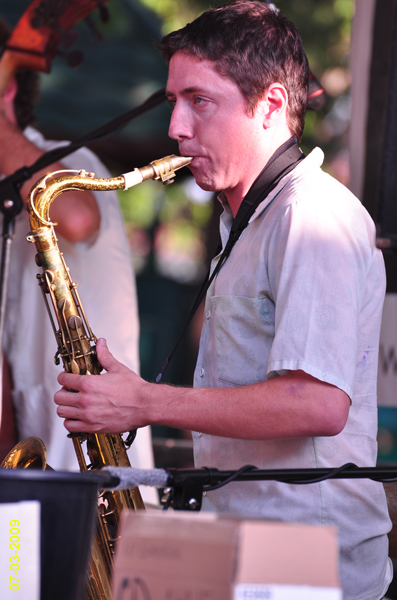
44, 192
52, 185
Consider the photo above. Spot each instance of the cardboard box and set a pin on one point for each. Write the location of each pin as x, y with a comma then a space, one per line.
202, 556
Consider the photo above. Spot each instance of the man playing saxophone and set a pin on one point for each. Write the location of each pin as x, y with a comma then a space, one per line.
286, 371
92, 236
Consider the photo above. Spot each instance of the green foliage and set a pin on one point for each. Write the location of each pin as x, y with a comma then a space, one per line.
140, 204
323, 24
325, 29
178, 206
162, 220
176, 13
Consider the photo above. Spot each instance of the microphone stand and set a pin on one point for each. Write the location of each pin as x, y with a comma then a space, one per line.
183, 489
186, 486
10, 205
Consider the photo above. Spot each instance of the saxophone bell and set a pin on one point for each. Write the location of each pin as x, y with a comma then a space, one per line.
30, 453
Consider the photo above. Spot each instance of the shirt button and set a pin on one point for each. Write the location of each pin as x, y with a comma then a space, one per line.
199, 434
202, 372
208, 314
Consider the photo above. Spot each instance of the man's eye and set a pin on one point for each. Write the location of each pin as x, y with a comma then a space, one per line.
199, 100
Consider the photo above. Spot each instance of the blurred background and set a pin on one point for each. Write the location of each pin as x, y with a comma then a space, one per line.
172, 230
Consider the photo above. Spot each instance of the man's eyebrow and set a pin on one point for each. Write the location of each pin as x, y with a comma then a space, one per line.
189, 90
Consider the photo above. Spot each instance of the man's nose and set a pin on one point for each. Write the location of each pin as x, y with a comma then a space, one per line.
180, 127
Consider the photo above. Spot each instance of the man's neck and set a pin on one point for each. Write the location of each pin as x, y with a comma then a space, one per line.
236, 195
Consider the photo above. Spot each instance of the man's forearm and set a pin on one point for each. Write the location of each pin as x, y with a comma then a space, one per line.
294, 405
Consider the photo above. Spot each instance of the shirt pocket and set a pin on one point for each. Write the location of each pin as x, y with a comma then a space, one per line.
243, 333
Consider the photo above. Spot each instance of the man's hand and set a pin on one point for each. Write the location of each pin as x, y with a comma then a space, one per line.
101, 403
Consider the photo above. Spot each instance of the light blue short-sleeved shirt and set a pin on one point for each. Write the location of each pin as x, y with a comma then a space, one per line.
303, 289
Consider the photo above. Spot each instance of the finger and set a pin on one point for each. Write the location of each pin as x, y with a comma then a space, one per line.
70, 381
68, 412
107, 360
66, 397
76, 426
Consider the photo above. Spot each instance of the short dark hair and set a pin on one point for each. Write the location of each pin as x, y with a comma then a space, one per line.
28, 86
254, 45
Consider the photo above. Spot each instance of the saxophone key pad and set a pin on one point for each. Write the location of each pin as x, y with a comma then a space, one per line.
49, 276
74, 322
63, 304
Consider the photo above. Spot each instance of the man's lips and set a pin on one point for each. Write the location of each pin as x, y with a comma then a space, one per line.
196, 159
199, 160
186, 151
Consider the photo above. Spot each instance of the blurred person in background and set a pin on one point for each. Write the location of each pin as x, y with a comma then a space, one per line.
92, 238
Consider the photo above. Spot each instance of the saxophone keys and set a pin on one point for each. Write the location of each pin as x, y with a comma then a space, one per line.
75, 367
63, 304
75, 322
48, 278
57, 360
84, 173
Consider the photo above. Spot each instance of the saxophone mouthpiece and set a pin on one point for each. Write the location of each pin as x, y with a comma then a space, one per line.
179, 161
163, 169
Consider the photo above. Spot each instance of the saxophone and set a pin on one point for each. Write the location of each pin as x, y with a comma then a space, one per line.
76, 345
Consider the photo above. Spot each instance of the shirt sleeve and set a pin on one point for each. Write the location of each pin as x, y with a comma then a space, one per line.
326, 269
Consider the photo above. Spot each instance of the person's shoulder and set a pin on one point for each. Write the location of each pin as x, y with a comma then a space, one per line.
39, 140
83, 158
311, 195
311, 182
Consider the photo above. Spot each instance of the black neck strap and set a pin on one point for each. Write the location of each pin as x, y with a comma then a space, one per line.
281, 162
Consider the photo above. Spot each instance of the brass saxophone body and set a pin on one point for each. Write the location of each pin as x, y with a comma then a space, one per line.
76, 343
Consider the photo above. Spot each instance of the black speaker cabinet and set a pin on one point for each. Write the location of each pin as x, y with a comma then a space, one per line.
68, 518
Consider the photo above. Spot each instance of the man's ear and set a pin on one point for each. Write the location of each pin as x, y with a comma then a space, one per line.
10, 91
274, 105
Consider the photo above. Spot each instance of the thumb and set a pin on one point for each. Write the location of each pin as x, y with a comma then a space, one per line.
106, 358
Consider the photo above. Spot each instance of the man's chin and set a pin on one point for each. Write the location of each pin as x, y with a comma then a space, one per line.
207, 187
204, 183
